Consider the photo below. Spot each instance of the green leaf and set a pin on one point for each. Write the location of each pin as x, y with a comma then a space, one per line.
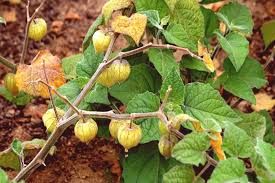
153, 18
237, 17
17, 147
71, 90
241, 83
2, 21
22, 99
230, 170
236, 142
187, 24
142, 78
267, 152
174, 80
211, 125
37, 144
211, 22
91, 31
3, 176
236, 46
6, 94
253, 124
145, 164
89, 62
158, 5
191, 149
269, 134
204, 102
268, 32
179, 174
9, 159
193, 63
99, 94
69, 65
146, 102
176, 34
264, 175
163, 60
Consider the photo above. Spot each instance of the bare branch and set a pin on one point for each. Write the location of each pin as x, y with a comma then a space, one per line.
49, 90
29, 20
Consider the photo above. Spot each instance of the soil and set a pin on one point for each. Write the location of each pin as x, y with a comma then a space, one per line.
68, 21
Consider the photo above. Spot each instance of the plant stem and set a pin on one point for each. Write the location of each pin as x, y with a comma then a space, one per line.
29, 20
69, 119
8, 63
201, 172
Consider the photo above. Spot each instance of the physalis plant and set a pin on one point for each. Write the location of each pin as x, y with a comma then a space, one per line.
199, 130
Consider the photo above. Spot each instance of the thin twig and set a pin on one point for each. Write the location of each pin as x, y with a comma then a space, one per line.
270, 58
64, 98
49, 90
201, 172
29, 20
8, 63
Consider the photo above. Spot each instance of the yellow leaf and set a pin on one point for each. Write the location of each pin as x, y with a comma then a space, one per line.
133, 26
216, 144
208, 62
263, 102
114, 5
28, 76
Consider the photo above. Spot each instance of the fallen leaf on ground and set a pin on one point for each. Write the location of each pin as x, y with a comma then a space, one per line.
133, 26
263, 102
28, 76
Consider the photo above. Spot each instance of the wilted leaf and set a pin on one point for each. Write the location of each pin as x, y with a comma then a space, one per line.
208, 62
10, 16
263, 102
28, 76
113, 5
133, 26
37, 144
8, 159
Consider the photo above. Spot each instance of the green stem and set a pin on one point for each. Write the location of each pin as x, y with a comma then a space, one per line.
8, 63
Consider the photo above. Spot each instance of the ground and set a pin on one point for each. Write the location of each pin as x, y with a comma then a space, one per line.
68, 22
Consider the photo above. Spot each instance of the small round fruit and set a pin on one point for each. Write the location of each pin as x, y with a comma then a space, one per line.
15, 1
129, 135
101, 41
114, 126
174, 123
85, 131
117, 72
166, 144
50, 120
37, 29
10, 83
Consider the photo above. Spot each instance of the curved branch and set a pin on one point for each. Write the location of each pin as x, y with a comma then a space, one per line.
8, 63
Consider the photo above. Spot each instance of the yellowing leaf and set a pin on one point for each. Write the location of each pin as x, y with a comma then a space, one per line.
263, 102
208, 62
201, 49
133, 26
114, 5
28, 76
